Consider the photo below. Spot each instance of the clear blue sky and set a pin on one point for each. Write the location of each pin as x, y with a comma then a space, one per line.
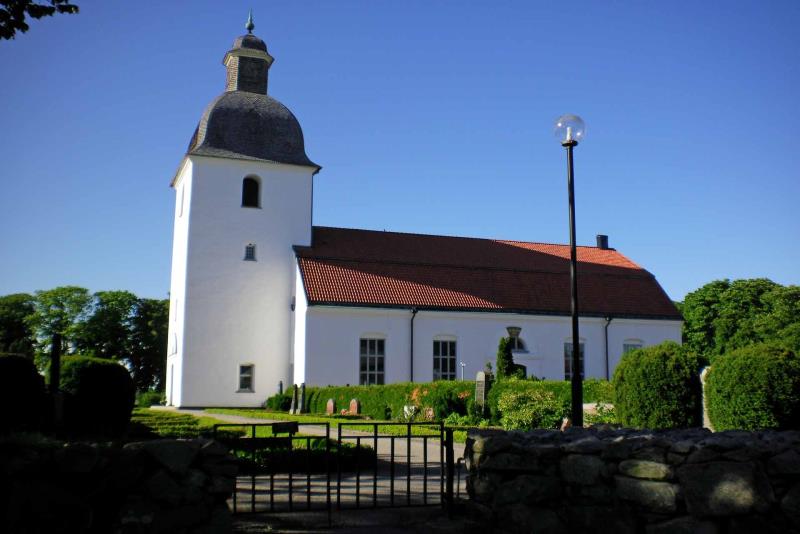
431, 117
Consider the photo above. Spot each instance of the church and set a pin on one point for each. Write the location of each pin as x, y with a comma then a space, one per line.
261, 298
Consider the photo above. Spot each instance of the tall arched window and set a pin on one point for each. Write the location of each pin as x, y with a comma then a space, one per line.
250, 193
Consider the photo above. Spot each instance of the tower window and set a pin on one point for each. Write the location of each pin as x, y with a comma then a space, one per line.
250, 252
246, 378
250, 193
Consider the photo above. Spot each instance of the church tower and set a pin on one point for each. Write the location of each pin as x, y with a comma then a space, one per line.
243, 200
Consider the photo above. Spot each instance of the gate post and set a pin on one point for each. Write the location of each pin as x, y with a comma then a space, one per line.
450, 467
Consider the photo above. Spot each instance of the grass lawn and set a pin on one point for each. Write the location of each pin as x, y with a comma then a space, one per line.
459, 435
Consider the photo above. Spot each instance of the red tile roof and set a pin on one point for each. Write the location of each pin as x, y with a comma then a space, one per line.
350, 267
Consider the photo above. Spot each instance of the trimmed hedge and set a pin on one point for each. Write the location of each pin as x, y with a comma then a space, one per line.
439, 398
754, 388
100, 396
22, 394
442, 398
658, 387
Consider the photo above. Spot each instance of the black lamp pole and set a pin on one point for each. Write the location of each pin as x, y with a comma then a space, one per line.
577, 379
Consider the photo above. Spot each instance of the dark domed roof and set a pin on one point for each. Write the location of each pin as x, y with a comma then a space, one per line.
244, 125
250, 41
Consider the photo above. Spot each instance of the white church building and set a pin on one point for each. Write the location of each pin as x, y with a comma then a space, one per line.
260, 296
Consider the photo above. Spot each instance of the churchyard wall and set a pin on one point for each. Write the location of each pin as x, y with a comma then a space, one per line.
619, 480
154, 486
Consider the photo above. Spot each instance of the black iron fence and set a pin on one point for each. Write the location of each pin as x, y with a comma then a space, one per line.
290, 466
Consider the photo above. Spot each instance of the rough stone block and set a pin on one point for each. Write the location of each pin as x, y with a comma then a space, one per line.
586, 445
785, 463
651, 454
161, 487
507, 461
521, 518
790, 504
683, 525
659, 497
581, 469
527, 489
175, 455
724, 488
646, 469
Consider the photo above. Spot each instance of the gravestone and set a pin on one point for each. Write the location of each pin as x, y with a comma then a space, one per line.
330, 407
483, 382
293, 407
301, 407
280, 387
355, 407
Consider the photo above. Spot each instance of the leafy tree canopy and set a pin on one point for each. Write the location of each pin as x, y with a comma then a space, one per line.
107, 331
59, 311
724, 315
16, 336
14, 12
148, 343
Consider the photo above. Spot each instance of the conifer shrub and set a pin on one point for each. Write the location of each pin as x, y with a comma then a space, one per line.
658, 387
22, 394
100, 396
753, 388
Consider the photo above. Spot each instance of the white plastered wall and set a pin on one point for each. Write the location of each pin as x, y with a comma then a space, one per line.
332, 341
236, 311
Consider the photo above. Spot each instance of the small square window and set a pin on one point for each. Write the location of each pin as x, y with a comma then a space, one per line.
246, 378
250, 252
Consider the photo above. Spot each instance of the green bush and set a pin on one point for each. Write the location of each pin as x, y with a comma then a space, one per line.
22, 394
594, 390
145, 399
526, 410
658, 387
754, 388
100, 396
280, 402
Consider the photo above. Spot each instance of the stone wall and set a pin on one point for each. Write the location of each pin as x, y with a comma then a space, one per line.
173, 486
606, 480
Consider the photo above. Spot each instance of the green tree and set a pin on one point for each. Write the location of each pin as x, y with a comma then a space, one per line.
781, 323
14, 12
59, 311
148, 344
700, 309
505, 359
16, 336
106, 333
739, 310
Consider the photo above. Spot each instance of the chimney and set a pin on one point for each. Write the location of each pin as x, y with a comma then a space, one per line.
602, 242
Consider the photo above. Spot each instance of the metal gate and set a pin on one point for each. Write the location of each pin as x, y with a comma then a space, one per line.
293, 466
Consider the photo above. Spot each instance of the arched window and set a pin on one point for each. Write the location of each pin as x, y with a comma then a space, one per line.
250, 192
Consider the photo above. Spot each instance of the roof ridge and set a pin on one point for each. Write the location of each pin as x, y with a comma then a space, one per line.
466, 237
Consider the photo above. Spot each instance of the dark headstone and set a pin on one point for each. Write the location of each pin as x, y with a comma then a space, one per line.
483, 382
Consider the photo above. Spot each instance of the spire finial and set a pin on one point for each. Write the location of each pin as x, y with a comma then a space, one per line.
249, 26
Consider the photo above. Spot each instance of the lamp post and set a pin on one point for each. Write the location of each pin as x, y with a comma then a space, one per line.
570, 129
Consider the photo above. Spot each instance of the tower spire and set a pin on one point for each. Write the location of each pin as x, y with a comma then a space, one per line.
250, 26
